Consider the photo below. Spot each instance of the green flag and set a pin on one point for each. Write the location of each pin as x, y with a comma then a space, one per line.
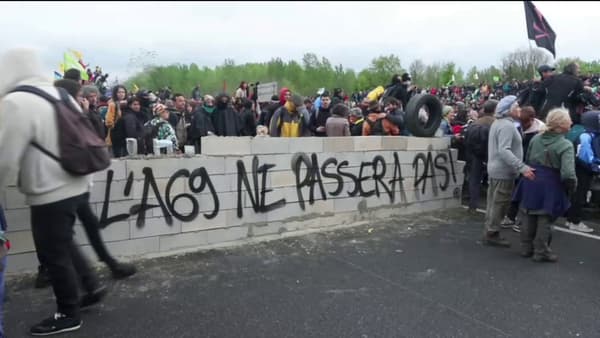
70, 61
496, 78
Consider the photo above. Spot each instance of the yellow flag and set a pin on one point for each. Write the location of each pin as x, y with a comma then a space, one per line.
77, 54
135, 88
61, 67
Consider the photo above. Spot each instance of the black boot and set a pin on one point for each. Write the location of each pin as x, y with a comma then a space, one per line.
42, 280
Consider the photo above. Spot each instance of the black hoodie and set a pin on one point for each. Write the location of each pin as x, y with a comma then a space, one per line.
225, 120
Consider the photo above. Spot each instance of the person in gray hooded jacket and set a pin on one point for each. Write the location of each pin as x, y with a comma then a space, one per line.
52, 193
505, 163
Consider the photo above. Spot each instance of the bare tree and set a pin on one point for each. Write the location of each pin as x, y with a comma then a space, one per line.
141, 61
417, 71
522, 64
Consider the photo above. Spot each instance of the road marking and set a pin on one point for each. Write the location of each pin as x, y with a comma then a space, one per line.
557, 228
569, 231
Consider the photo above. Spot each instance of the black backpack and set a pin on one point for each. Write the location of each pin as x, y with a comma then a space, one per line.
376, 127
82, 150
476, 140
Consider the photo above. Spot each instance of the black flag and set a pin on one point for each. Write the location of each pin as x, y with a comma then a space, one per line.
538, 28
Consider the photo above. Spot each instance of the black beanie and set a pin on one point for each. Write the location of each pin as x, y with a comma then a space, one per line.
73, 74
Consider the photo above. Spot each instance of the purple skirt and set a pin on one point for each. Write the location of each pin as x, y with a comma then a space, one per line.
545, 192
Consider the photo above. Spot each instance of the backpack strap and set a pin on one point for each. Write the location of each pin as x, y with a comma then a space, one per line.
54, 101
36, 91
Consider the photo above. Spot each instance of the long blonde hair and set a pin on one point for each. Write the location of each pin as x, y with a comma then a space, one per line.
556, 119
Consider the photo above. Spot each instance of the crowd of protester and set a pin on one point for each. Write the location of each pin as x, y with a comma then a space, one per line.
468, 114
534, 145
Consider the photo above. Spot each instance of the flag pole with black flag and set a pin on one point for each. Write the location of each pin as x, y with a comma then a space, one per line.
538, 28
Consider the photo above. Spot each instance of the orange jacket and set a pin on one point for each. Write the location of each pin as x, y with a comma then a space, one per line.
388, 127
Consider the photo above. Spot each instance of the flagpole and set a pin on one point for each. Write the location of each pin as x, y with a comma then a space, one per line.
529, 41
531, 55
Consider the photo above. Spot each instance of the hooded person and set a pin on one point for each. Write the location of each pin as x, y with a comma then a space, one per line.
226, 121
284, 95
52, 193
202, 122
290, 120
247, 118
400, 88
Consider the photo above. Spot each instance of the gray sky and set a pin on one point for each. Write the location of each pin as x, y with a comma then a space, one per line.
468, 33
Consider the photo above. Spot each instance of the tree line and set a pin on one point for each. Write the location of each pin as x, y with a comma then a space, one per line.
314, 72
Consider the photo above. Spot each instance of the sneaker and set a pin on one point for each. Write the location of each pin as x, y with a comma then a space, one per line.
507, 223
581, 227
42, 280
56, 324
545, 258
122, 270
516, 228
93, 297
496, 240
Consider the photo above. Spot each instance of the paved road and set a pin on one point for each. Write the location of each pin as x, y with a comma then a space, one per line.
425, 276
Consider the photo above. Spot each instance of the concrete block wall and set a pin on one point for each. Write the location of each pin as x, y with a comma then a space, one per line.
355, 189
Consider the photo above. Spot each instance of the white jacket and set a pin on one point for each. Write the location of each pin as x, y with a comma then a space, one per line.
24, 118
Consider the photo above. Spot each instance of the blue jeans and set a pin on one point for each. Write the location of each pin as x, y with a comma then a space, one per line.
3, 264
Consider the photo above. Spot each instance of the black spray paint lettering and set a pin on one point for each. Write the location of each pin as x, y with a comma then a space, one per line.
257, 197
257, 190
338, 178
104, 219
312, 177
168, 209
429, 165
205, 181
397, 178
351, 176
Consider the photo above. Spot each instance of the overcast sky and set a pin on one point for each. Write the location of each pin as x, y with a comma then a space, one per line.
468, 33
